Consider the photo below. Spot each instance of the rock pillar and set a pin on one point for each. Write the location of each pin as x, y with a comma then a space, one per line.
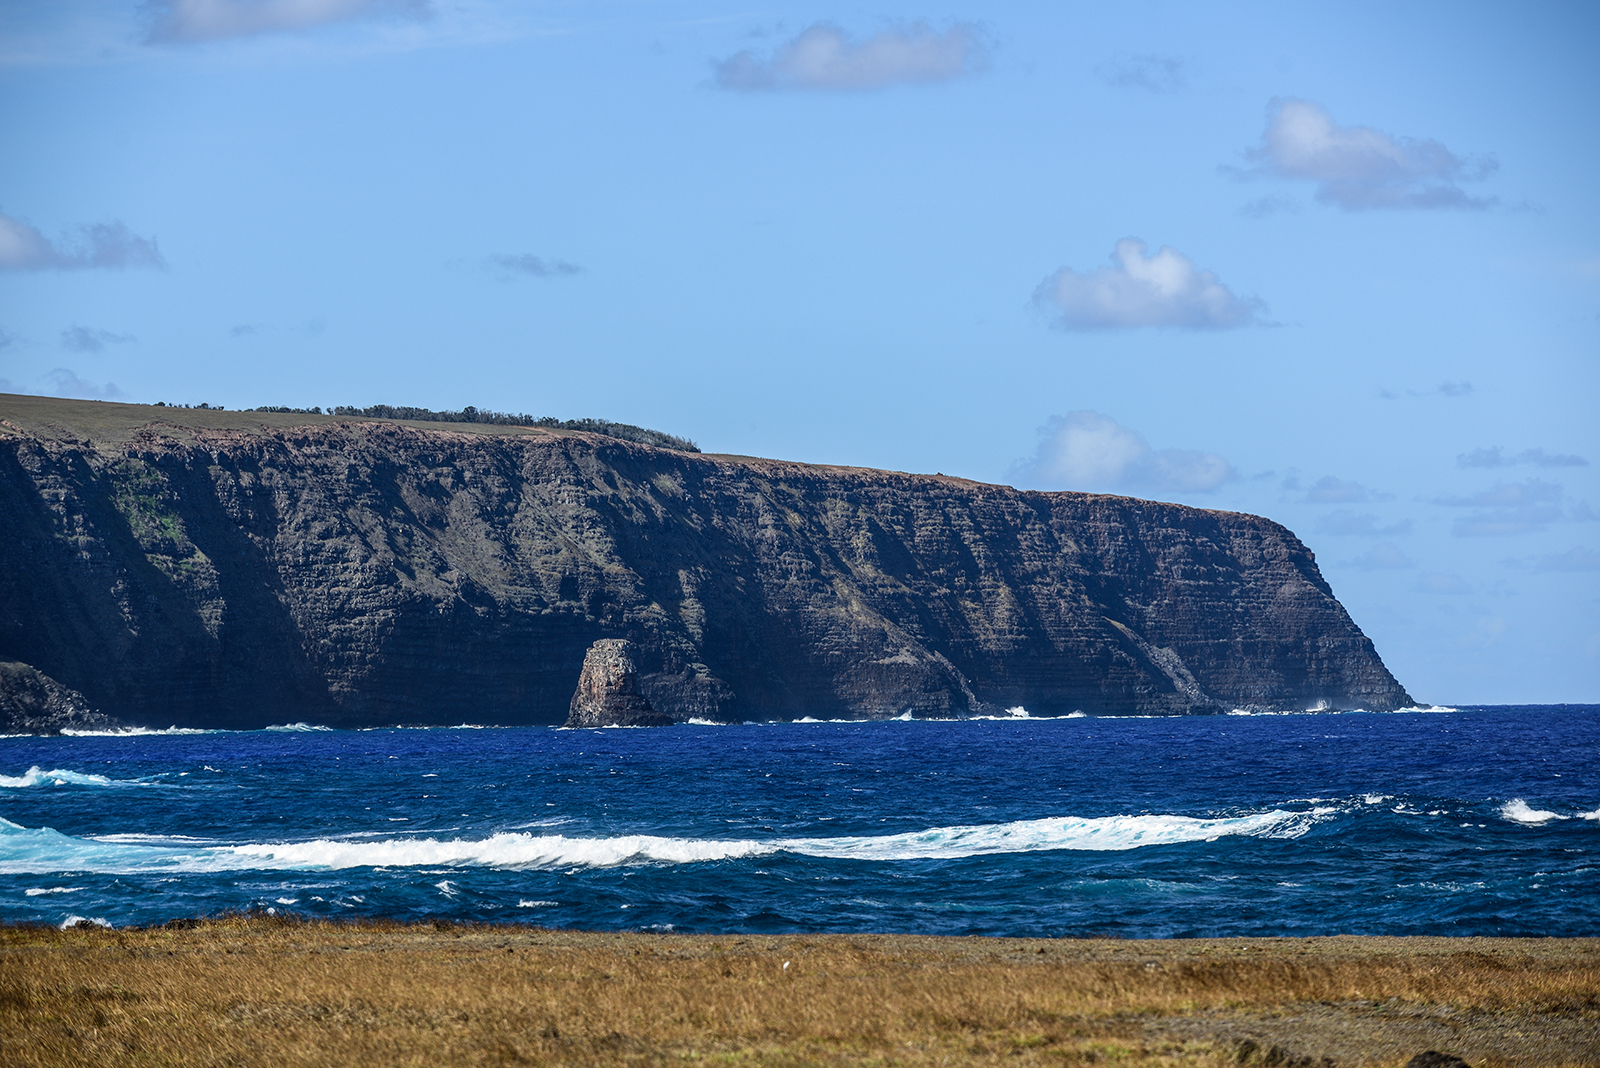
608, 690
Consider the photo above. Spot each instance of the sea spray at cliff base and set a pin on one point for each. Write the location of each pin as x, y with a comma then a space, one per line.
1477, 821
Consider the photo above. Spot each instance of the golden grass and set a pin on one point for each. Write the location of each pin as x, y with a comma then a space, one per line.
253, 991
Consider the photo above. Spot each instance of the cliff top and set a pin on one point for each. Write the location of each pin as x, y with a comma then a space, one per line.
56, 418
115, 422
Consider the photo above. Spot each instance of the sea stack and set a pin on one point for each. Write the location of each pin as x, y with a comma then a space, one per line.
608, 690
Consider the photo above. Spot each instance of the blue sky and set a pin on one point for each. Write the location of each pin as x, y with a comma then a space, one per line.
1335, 264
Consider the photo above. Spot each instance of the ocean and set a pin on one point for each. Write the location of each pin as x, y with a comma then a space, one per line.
1467, 821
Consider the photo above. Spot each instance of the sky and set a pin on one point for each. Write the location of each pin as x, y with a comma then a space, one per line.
1337, 264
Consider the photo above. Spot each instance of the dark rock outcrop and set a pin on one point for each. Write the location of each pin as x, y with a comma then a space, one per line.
608, 690
1435, 1059
211, 570
31, 702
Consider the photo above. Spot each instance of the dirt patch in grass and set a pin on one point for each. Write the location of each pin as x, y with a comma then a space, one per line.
268, 992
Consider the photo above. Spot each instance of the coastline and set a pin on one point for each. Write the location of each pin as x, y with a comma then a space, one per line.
265, 990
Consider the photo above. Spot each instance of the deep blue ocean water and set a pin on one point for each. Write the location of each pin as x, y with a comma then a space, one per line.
1474, 821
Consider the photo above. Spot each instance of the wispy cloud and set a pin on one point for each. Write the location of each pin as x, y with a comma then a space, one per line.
1330, 490
1164, 289
190, 21
91, 339
1447, 388
64, 382
1360, 524
1498, 457
1434, 582
531, 266
1383, 556
109, 245
1513, 508
1155, 73
1578, 559
1086, 450
824, 57
1358, 168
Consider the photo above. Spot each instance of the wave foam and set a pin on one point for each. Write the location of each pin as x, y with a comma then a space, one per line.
41, 851
35, 776
1517, 811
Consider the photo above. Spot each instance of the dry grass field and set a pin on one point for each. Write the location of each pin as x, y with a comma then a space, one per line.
264, 991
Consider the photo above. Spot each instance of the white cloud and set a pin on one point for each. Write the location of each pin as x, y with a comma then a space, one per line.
185, 21
824, 57
1157, 73
107, 245
1164, 289
1086, 450
91, 339
65, 383
1356, 167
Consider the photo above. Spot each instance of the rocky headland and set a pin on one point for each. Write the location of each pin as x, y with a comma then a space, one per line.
203, 568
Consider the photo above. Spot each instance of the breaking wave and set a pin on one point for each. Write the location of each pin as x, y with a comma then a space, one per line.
1517, 811
35, 776
43, 850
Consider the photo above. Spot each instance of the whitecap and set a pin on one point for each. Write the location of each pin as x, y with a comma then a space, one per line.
1517, 811
84, 921
40, 891
25, 851
35, 776
138, 732
296, 728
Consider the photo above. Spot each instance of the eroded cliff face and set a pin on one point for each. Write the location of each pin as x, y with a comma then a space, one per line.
356, 573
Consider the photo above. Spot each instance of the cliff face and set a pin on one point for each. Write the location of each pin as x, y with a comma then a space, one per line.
356, 573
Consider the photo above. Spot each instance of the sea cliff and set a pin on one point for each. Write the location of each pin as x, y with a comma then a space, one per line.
232, 569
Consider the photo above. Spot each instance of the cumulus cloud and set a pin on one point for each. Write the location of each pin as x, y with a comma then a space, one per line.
65, 383
1358, 168
108, 245
90, 339
1156, 73
1086, 450
823, 57
1512, 508
1330, 490
1164, 289
1360, 524
1498, 457
1383, 556
189, 21
531, 266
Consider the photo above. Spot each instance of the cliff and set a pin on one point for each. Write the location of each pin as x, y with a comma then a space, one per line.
232, 569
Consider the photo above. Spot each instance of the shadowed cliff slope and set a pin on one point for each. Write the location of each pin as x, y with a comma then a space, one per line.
235, 569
